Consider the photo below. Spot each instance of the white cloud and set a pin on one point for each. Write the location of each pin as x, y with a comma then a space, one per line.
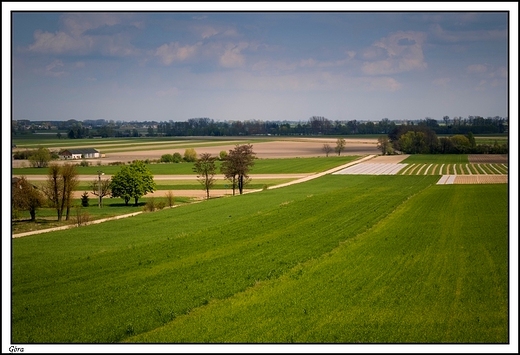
399, 52
55, 69
82, 34
174, 52
232, 57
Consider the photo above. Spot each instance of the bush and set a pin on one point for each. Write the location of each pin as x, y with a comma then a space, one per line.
84, 199
150, 205
170, 198
166, 158
177, 157
190, 155
84, 163
81, 217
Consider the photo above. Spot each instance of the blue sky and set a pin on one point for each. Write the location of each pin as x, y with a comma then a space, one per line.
165, 66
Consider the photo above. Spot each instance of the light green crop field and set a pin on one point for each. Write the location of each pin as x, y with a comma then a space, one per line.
261, 166
347, 259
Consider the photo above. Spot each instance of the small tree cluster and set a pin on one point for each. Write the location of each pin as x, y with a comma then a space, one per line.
236, 166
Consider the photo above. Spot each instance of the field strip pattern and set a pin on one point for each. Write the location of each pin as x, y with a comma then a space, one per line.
372, 169
472, 179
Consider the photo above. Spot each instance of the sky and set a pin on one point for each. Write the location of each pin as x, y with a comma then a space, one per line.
258, 65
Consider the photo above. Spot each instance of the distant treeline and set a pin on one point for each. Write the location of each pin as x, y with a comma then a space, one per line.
316, 125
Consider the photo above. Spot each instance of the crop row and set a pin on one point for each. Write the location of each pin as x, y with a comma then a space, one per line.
454, 169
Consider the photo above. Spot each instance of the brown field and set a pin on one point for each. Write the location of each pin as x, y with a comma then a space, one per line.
481, 179
303, 147
488, 158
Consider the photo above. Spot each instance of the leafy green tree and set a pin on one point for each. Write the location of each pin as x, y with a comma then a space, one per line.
206, 169
237, 165
340, 145
26, 197
413, 143
40, 158
133, 181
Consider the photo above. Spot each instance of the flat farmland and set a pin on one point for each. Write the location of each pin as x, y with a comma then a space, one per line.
339, 259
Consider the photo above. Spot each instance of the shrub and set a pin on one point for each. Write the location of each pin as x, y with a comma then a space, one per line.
81, 217
166, 158
177, 157
84, 163
84, 199
170, 198
150, 205
190, 155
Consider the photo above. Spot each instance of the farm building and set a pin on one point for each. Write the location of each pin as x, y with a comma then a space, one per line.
79, 153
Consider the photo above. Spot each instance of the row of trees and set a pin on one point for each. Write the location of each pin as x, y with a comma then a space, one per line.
235, 166
130, 182
315, 125
424, 140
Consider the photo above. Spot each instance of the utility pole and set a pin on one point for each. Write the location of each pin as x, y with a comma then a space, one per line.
99, 173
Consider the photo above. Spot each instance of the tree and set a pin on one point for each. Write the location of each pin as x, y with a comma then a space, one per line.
327, 149
100, 188
383, 144
206, 169
340, 145
190, 155
84, 199
61, 182
40, 158
26, 197
237, 165
132, 181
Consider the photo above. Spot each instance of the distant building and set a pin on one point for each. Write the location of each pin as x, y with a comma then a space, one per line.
79, 153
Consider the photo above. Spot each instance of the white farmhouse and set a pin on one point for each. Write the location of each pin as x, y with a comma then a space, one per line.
79, 153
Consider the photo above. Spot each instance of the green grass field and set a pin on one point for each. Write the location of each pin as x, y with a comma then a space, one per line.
348, 259
261, 166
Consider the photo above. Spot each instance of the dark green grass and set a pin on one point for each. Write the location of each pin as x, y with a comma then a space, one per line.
436, 159
104, 283
434, 271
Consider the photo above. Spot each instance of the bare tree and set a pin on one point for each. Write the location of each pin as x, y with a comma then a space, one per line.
100, 188
61, 182
206, 169
327, 149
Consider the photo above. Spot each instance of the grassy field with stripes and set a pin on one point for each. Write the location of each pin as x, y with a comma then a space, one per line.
454, 169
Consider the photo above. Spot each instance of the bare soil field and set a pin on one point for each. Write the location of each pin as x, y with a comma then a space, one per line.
488, 158
290, 148
312, 147
481, 179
